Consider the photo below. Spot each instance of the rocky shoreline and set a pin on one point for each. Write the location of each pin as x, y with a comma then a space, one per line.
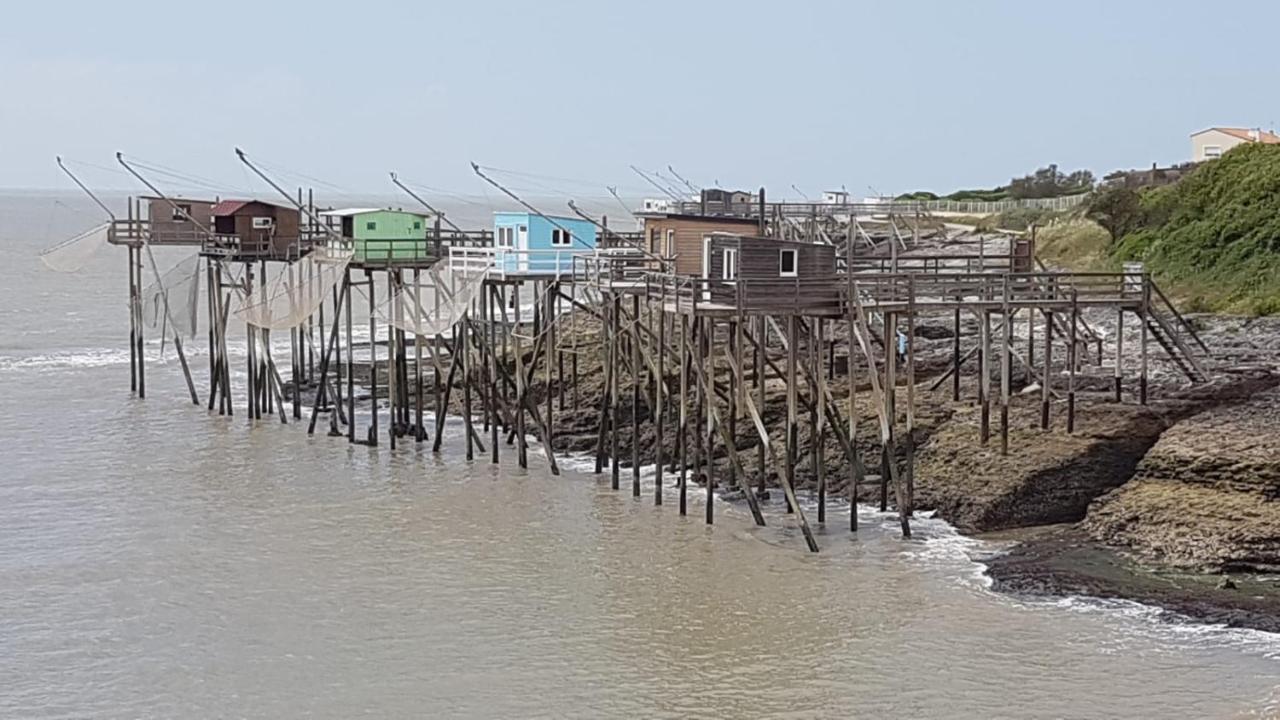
1158, 501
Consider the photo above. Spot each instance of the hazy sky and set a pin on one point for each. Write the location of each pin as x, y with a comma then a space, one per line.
895, 95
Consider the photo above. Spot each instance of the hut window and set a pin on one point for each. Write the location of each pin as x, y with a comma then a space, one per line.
417, 224
730, 271
671, 243
260, 223
787, 263
560, 237
506, 237
181, 212
371, 225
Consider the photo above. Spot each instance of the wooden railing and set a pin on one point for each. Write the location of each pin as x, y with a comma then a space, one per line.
824, 294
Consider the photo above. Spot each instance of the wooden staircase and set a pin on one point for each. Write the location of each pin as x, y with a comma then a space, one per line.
1175, 335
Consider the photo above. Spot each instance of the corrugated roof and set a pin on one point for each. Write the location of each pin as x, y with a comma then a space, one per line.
228, 207
348, 212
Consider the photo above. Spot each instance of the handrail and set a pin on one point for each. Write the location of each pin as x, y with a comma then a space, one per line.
1182, 321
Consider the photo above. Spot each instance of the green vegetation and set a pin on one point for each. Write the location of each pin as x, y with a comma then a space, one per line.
1045, 182
1075, 242
1214, 236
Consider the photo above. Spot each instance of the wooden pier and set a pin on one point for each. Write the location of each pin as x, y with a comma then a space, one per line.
455, 324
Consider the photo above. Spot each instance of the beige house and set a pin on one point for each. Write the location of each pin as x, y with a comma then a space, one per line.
1211, 143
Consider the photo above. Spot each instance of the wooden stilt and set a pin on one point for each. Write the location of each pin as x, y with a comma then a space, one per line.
758, 380
791, 430
1119, 369
659, 419
1045, 374
1072, 349
984, 379
372, 437
707, 358
1006, 333
1143, 321
635, 395
351, 365
615, 340
955, 357
682, 435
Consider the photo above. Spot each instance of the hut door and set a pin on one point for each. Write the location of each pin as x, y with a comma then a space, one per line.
522, 247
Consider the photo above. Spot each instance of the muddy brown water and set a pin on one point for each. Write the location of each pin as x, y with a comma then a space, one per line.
159, 562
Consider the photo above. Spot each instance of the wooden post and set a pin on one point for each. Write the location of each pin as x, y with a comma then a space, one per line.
658, 418
984, 381
1048, 360
1006, 359
887, 460
635, 395
758, 359
418, 433
707, 359
605, 398
1119, 353
615, 339
491, 364
1071, 364
522, 387
134, 372
910, 479
1143, 320
372, 437
791, 432
955, 356
468, 377
252, 361
351, 367
393, 383
549, 343
855, 475
695, 417
819, 419
682, 437
1031, 338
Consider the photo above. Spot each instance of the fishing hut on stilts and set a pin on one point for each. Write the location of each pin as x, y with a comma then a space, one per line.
709, 320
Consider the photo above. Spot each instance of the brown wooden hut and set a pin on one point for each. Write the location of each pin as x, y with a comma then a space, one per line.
253, 228
167, 226
679, 238
785, 275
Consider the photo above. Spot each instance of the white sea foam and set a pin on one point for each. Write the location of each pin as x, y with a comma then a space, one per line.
69, 359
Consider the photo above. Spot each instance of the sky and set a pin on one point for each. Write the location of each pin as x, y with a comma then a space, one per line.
563, 98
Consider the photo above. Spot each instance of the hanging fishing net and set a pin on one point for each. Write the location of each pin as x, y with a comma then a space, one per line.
179, 289
295, 291
74, 253
431, 306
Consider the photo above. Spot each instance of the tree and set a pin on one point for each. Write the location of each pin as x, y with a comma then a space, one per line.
1117, 209
1050, 182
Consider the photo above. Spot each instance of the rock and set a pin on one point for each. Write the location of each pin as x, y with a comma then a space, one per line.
934, 332
1207, 495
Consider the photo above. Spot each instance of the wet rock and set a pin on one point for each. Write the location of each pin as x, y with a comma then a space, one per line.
1207, 495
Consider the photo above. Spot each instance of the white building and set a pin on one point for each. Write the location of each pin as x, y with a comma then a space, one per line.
1211, 143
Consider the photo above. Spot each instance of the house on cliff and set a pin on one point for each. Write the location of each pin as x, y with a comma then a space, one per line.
1210, 143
